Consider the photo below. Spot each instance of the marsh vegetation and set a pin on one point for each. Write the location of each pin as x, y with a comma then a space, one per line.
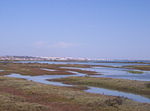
24, 95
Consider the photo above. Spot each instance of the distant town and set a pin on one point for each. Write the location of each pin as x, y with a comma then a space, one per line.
32, 58
36, 58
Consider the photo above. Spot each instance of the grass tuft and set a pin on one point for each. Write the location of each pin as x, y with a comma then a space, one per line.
135, 72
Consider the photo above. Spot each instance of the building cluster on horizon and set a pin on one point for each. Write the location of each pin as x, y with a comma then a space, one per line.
36, 58
32, 58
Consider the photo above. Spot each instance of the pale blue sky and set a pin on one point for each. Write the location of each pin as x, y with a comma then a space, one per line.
115, 29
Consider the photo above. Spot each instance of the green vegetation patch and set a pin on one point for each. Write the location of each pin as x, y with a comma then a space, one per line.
135, 72
10, 102
138, 87
148, 85
23, 95
139, 67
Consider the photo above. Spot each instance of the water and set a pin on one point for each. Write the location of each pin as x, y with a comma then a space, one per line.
86, 63
118, 93
119, 73
48, 69
44, 79
77, 73
1, 70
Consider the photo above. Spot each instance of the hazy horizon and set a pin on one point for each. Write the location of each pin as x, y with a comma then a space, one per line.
105, 29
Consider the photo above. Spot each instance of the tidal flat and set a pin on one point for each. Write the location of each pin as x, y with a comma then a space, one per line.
19, 94
30, 95
37, 69
139, 67
131, 86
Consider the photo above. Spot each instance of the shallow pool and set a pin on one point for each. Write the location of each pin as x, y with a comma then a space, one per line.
119, 73
44, 79
115, 64
132, 96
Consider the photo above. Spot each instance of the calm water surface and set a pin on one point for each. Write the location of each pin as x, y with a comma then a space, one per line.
44, 79
118, 93
120, 73
87, 63
1, 70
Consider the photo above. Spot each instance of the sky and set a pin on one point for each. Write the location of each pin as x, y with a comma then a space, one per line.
107, 29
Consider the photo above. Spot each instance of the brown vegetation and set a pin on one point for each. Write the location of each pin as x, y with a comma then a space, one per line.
36, 69
139, 67
23, 95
